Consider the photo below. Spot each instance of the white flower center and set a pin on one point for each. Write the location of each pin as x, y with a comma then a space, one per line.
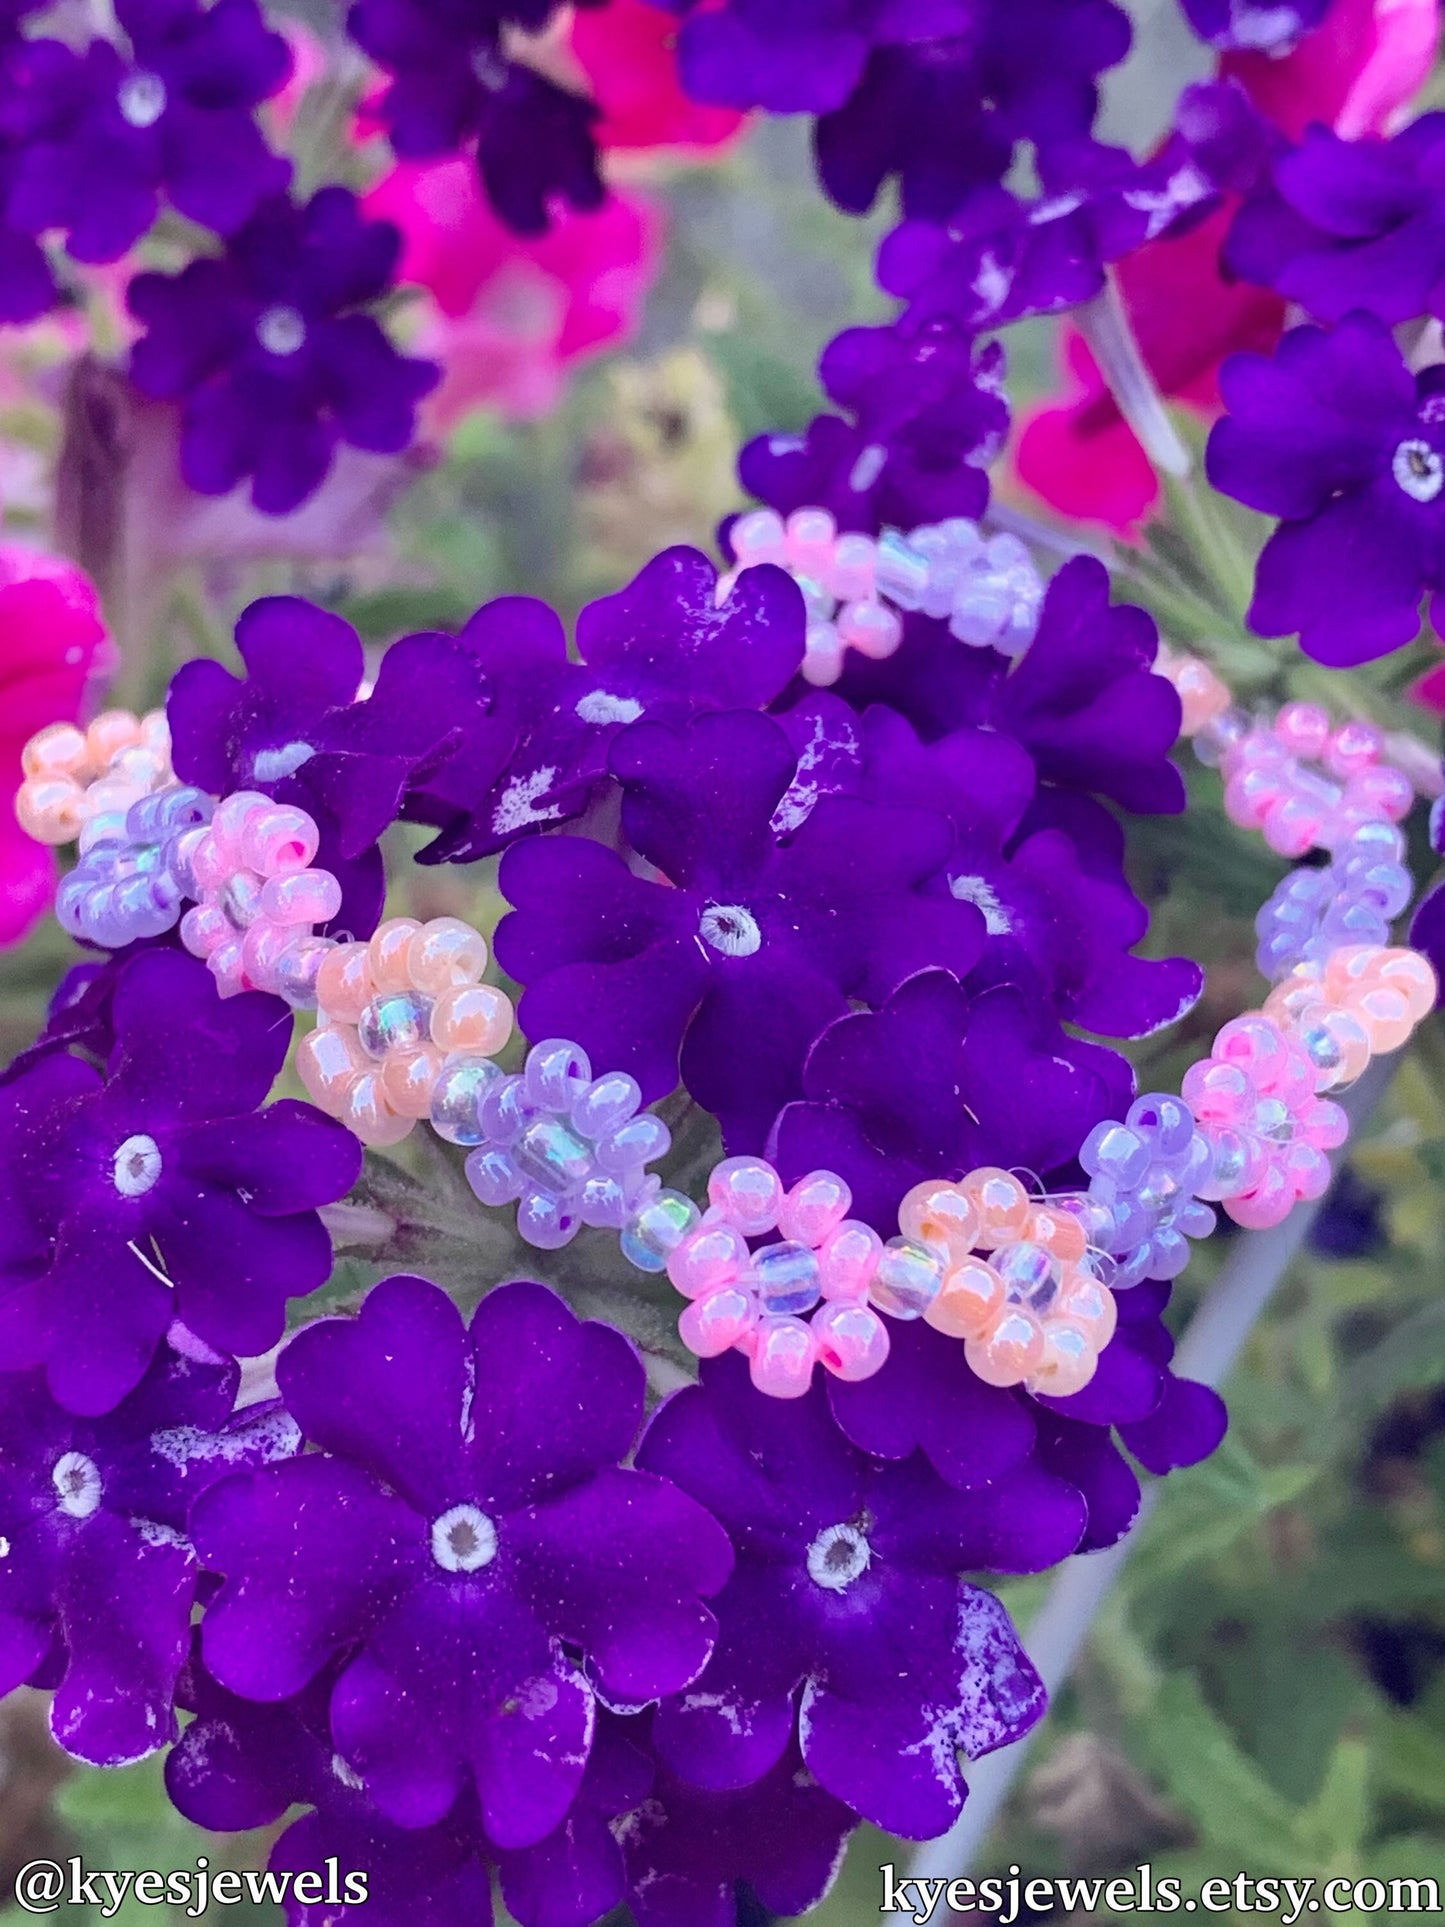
137, 1166
1418, 470
597, 706
730, 929
463, 1540
838, 1556
141, 99
272, 765
982, 895
77, 1484
281, 330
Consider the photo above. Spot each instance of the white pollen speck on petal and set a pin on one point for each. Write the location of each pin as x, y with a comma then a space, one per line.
599, 706
517, 805
982, 895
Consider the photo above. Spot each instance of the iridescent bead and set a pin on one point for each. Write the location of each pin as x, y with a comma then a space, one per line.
654, 1232
786, 1278
1030, 1275
457, 1095
907, 1280
852, 1341
551, 1155
783, 1357
395, 1020
748, 1192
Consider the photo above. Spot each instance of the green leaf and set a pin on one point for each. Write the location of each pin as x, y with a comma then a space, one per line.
1221, 1789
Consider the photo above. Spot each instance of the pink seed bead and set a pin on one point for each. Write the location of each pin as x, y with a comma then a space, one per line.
854, 573
714, 1324
814, 1208
391, 952
1294, 826
344, 983
327, 1059
213, 862
473, 1017
872, 628
1304, 729
758, 537
57, 750
944, 1215
847, 1260
783, 1357
368, 1113
1069, 1360
279, 840
852, 1341
303, 896
713, 1255
1008, 1353
1269, 1203
1307, 1170
1202, 696
299, 969
262, 949
971, 1301
1380, 791
1354, 746
822, 655
204, 929
808, 542
409, 1076
445, 954
747, 1192
234, 812
226, 965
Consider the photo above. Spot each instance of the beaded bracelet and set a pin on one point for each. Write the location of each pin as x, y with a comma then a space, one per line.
406, 1030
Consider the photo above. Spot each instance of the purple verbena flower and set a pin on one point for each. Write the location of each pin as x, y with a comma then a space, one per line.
661, 648
1337, 438
1254, 26
298, 729
842, 1558
687, 1850
461, 1542
1351, 224
119, 129
1082, 700
944, 114
756, 939
936, 1083
269, 352
157, 1191
928, 415
98, 1578
452, 83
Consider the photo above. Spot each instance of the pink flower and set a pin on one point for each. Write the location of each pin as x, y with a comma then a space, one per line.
510, 314
1357, 72
627, 52
51, 641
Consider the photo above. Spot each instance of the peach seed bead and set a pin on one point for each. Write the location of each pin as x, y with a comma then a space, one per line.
112, 731
409, 1078
368, 1113
391, 953
344, 984
1414, 976
327, 1059
1060, 1234
445, 954
971, 1300
1008, 1353
940, 1214
1002, 1204
1202, 695
1090, 1305
1386, 1016
1068, 1363
472, 1017
57, 750
48, 808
